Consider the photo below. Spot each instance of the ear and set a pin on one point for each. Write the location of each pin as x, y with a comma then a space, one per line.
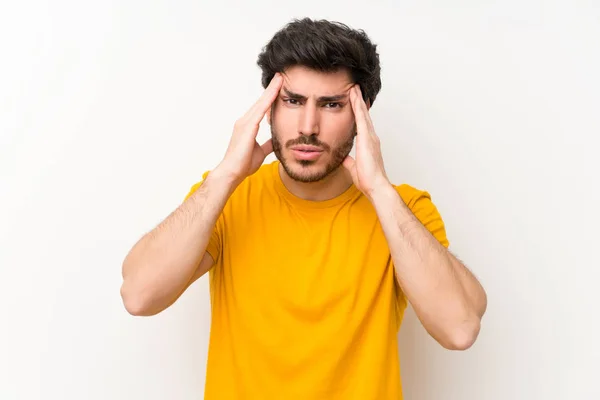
368, 102
269, 115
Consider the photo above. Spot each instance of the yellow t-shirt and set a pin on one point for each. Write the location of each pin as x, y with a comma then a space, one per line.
305, 304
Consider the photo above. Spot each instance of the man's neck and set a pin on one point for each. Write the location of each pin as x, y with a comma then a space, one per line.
328, 188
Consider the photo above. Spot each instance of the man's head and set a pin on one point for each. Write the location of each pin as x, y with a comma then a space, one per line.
312, 121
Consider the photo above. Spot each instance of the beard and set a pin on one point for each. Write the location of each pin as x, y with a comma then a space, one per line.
305, 174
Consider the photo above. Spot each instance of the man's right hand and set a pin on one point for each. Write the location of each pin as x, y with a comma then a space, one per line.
165, 261
244, 155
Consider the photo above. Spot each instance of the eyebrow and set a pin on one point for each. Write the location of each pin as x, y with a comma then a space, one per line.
323, 99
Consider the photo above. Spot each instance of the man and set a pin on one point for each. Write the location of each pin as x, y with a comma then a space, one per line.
312, 258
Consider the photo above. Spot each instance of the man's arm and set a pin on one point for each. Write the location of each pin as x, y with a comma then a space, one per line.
448, 300
165, 261
446, 297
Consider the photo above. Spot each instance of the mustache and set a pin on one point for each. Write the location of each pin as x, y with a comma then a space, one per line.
308, 140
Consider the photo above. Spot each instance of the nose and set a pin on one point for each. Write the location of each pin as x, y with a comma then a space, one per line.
309, 120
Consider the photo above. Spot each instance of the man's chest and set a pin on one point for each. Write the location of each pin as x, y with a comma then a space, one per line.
307, 260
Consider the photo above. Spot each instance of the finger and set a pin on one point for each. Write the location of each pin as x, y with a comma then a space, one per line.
348, 163
267, 147
364, 110
258, 110
360, 116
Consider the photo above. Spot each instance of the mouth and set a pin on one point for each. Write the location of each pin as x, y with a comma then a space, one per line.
306, 152
306, 147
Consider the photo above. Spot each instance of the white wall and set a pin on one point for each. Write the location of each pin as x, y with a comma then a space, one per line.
110, 110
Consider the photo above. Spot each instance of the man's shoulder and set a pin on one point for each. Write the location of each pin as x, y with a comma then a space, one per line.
419, 201
254, 184
264, 175
411, 194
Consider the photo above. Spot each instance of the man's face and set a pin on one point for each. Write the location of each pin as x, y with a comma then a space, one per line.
312, 123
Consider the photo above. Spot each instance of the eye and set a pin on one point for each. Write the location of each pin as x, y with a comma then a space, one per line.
291, 101
333, 105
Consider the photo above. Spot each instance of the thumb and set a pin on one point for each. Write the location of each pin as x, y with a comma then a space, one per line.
267, 147
348, 163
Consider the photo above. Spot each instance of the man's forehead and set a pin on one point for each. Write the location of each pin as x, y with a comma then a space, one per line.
319, 93
311, 83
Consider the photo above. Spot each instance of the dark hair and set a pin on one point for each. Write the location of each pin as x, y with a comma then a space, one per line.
324, 46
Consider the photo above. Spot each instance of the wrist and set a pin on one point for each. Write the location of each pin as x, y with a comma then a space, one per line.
384, 197
381, 191
224, 177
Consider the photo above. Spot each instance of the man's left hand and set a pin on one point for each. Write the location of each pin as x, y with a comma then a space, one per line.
367, 170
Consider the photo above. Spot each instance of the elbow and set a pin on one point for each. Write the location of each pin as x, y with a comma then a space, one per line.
462, 337
135, 302
135, 293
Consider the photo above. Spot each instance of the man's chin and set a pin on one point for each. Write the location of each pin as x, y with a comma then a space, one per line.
305, 172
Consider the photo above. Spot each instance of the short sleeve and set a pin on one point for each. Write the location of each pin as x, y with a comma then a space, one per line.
215, 243
421, 205
419, 202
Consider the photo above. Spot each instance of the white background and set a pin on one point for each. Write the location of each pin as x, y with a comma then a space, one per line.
111, 110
